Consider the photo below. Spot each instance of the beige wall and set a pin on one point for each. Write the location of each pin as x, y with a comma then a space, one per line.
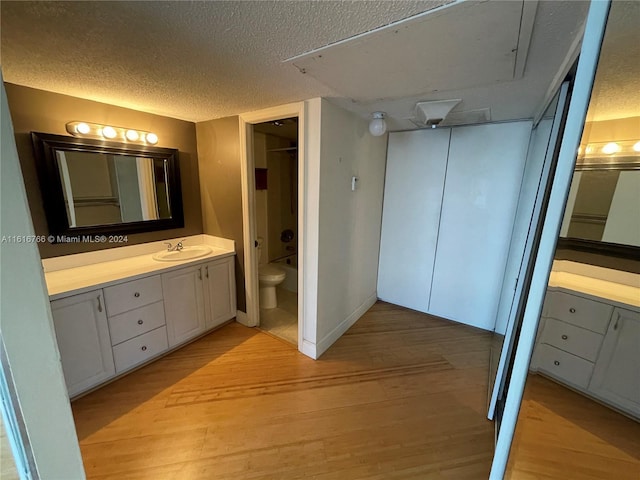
220, 184
40, 111
611, 130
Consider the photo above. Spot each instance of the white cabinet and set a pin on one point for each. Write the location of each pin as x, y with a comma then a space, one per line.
616, 377
220, 291
198, 298
82, 333
591, 346
109, 331
184, 306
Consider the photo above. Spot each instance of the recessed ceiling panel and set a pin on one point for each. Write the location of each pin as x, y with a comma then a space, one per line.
458, 46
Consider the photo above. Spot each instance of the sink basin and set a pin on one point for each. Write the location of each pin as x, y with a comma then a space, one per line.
187, 253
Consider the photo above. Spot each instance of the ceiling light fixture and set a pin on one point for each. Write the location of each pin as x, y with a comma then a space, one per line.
636, 147
108, 132
378, 126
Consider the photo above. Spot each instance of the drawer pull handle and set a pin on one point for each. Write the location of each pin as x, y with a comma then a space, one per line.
99, 304
140, 322
565, 337
572, 310
615, 326
200, 274
556, 363
206, 269
144, 348
137, 294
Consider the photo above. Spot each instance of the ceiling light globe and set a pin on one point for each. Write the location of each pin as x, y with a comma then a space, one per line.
377, 126
636, 147
83, 128
152, 138
109, 132
132, 135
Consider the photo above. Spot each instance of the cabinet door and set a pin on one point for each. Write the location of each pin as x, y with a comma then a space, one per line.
220, 292
615, 377
83, 339
183, 304
414, 181
484, 173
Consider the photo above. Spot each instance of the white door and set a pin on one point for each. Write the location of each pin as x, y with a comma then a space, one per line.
82, 333
220, 292
483, 179
616, 376
414, 182
184, 304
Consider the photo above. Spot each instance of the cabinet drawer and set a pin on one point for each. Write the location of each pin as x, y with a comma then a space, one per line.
572, 339
563, 365
578, 311
136, 322
127, 296
139, 349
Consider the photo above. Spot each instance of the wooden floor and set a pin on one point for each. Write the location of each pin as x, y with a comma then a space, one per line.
563, 435
400, 396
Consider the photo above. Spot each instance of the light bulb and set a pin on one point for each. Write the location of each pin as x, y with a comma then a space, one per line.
83, 128
152, 138
377, 126
132, 135
636, 147
109, 132
588, 150
611, 148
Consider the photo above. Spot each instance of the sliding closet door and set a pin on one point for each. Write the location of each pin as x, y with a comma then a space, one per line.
484, 173
416, 166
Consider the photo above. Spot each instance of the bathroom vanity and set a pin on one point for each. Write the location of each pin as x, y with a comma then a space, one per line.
589, 335
118, 309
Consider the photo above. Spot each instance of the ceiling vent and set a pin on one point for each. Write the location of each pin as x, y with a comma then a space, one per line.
433, 113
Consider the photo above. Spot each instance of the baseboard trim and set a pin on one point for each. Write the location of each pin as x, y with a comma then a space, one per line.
324, 344
309, 349
242, 318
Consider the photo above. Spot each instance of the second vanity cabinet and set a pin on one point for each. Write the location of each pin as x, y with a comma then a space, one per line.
108, 331
591, 346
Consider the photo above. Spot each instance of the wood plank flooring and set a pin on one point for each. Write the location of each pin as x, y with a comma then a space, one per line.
401, 395
561, 434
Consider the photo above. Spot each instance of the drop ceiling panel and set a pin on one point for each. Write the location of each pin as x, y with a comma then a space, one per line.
458, 46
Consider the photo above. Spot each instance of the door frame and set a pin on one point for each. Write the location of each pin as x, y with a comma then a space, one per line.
247, 164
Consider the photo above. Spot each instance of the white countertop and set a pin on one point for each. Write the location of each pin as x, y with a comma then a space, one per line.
86, 272
619, 287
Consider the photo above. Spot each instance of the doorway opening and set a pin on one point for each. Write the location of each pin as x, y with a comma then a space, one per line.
275, 153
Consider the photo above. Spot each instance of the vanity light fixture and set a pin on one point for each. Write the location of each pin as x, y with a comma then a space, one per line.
636, 147
611, 148
377, 126
108, 132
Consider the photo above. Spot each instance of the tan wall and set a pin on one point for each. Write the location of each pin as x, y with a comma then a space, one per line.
40, 111
611, 130
220, 184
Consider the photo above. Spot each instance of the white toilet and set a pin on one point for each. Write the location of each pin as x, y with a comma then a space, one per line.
269, 276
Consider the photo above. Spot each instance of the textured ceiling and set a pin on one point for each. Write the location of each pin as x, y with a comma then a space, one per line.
616, 91
189, 60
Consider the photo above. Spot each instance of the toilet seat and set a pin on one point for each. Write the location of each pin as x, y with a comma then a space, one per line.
271, 273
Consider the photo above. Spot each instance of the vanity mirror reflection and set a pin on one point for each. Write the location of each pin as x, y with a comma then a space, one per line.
94, 187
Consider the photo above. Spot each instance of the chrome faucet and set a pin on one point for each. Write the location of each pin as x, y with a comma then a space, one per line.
175, 248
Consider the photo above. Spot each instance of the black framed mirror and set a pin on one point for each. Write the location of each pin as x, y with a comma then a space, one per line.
95, 187
603, 208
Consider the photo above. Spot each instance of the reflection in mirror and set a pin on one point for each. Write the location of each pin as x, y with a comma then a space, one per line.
540, 160
604, 204
103, 189
93, 187
580, 414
